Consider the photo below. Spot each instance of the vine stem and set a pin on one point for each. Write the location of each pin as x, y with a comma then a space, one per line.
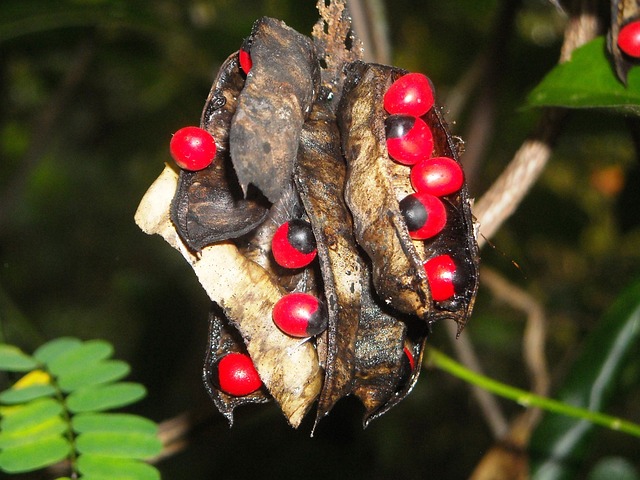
435, 358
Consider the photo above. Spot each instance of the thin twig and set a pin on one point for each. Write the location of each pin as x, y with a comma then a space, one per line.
370, 25
506, 193
492, 413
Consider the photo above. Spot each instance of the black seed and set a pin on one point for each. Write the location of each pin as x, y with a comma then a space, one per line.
414, 213
397, 126
300, 236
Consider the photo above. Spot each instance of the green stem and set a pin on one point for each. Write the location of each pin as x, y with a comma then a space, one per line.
527, 399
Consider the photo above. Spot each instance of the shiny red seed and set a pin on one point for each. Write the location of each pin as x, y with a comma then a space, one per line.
409, 139
293, 244
300, 315
192, 148
245, 60
237, 375
441, 272
424, 214
438, 176
629, 39
411, 94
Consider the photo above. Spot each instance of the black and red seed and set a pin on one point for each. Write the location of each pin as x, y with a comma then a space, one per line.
424, 215
409, 139
438, 176
300, 315
293, 244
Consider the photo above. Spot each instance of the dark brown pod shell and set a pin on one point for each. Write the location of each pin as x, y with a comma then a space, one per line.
224, 339
209, 205
398, 274
279, 91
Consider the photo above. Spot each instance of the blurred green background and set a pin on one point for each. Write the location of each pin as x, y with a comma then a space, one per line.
90, 93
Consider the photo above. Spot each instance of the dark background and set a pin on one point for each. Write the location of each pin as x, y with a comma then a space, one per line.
90, 93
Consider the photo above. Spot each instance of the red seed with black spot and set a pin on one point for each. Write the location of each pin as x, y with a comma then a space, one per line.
237, 375
411, 94
300, 315
629, 39
424, 215
293, 244
409, 139
441, 274
438, 176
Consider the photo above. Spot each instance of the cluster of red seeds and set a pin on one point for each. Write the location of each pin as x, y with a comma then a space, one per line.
410, 142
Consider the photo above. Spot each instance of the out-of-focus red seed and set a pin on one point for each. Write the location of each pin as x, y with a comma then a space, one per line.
244, 58
629, 39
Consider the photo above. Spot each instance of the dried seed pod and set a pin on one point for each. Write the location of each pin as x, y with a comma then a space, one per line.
224, 339
372, 191
209, 206
363, 344
289, 369
278, 93
380, 229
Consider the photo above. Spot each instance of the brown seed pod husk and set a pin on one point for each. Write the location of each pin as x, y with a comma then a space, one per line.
398, 274
278, 93
209, 205
246, 293
224, 339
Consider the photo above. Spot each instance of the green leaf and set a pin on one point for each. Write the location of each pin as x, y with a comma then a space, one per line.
33, 456
79, 357
113, 422
588, 81
22, 395
52, 426
105, 397
613, 468
99, 467
12, 359
119, 444
94, 374
559, 442
51, 350
25, 416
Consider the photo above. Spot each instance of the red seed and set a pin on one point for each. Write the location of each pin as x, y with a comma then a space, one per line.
293, 244
245, 60
237, 375
411, 94
300, 315
441, 272
409, 139
438, 176
424, 214
629, 39
192, 148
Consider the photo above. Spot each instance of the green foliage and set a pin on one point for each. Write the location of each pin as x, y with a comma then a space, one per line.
55, 412
587, 80
560, 442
